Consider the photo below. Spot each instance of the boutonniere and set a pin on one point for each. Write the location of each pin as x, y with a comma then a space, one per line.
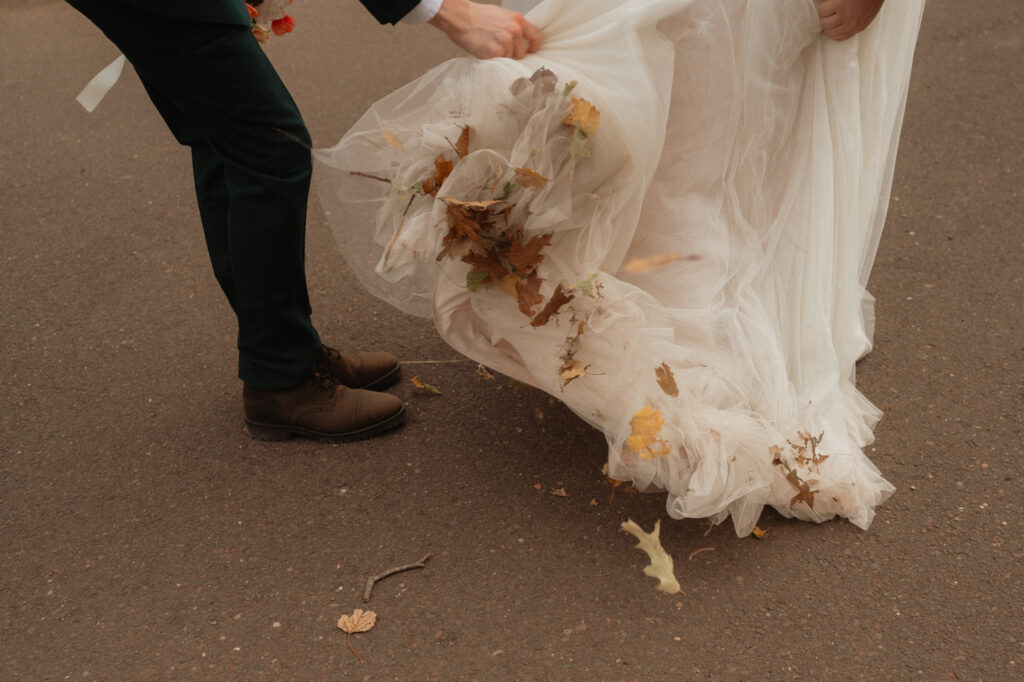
269, 16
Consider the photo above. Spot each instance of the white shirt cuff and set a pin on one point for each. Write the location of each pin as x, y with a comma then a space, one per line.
422, 12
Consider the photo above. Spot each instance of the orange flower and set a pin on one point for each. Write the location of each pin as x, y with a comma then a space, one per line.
260, 32
283, 25
252, 11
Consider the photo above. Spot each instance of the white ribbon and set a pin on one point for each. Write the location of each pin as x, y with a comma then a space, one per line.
100, 85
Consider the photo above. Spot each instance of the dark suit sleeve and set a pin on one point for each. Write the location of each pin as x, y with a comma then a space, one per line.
389, 11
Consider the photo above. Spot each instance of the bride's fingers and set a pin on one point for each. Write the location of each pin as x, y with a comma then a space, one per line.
533, 35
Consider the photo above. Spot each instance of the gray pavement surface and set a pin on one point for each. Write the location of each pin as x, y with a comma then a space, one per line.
145, 536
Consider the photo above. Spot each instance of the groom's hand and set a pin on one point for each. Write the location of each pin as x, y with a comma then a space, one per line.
487, 31
842, 19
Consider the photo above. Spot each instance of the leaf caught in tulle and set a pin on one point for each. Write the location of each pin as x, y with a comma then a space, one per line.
586, 287
804, 492
488, 265
584, 115
644, 441
558, 299
531, 179
392, 139
442, 169
650, 264
524, 258
462, 145
661, 566
575, 372
528, 293
667, 380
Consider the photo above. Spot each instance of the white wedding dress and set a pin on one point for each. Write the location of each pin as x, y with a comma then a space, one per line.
690, 276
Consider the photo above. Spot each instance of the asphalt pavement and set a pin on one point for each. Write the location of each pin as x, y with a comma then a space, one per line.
145, 536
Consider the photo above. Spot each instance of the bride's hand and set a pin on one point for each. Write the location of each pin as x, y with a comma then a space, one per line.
842, 19
487, 31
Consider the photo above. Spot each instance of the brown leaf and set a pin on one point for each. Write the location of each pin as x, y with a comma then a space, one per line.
525, 258
358, 621
442, 169
666, 380
462, 146
583, 114
650, 264
558, 299
487, 262
484, 372
418, 383
526, 177
527, 291
508, 285
804, 494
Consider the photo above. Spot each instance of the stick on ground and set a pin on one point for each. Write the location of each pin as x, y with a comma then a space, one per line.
391, 571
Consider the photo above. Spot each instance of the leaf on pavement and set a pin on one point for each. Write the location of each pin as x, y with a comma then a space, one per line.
418, 383
357, 621
759, 533
661, 563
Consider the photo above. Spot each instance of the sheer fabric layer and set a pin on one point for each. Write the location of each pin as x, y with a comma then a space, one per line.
737, 147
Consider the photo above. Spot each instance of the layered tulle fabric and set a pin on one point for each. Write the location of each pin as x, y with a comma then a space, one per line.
687, 273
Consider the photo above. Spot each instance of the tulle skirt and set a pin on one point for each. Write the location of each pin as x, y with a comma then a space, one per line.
666, 219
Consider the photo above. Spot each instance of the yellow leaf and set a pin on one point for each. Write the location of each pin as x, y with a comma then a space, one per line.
559, 492
642, 265
392, 139
666, 380
418, 383
577, 370
530, 178
483, 371
508, 284
759, 533
358, 621
644, 441
661, 562
583, 114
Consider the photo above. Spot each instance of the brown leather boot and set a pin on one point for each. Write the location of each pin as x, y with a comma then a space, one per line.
372, 371
319, 408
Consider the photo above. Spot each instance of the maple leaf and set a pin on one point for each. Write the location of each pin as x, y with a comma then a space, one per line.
418, 383
392, 139
525, 258
584, 115
462, 145
667, 380
466, 220
661, 566
526, 177
527, 291
558, 299
646, 424
358, 621
643, 265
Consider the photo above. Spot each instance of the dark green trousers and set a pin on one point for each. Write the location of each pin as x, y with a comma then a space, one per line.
221, 97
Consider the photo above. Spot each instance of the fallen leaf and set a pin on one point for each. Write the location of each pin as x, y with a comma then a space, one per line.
527, 291
482, 371
593, 503
392, 139
584, 115
759, 533
425, 387
524, 258
526, 177
646, 424
538, 414
650, 264
666, 380
358, 621
559, 492
661, 562
558, 299
462, 145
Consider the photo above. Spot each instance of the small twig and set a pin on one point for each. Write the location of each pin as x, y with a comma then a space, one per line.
698, 551
433, 362
377, 578
398, 231
367, 175
349, 640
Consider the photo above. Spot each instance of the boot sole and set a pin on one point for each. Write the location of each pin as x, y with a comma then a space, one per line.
280, 432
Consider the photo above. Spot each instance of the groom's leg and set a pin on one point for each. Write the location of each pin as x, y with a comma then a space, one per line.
220, 95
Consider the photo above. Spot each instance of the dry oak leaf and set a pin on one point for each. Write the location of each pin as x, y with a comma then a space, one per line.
666, 380
650, 264
558, 299
527, 291
488, 263
526, 177
644, 441
525, 258
661, 563
804, 492
442, 169
358, 621
583, 114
